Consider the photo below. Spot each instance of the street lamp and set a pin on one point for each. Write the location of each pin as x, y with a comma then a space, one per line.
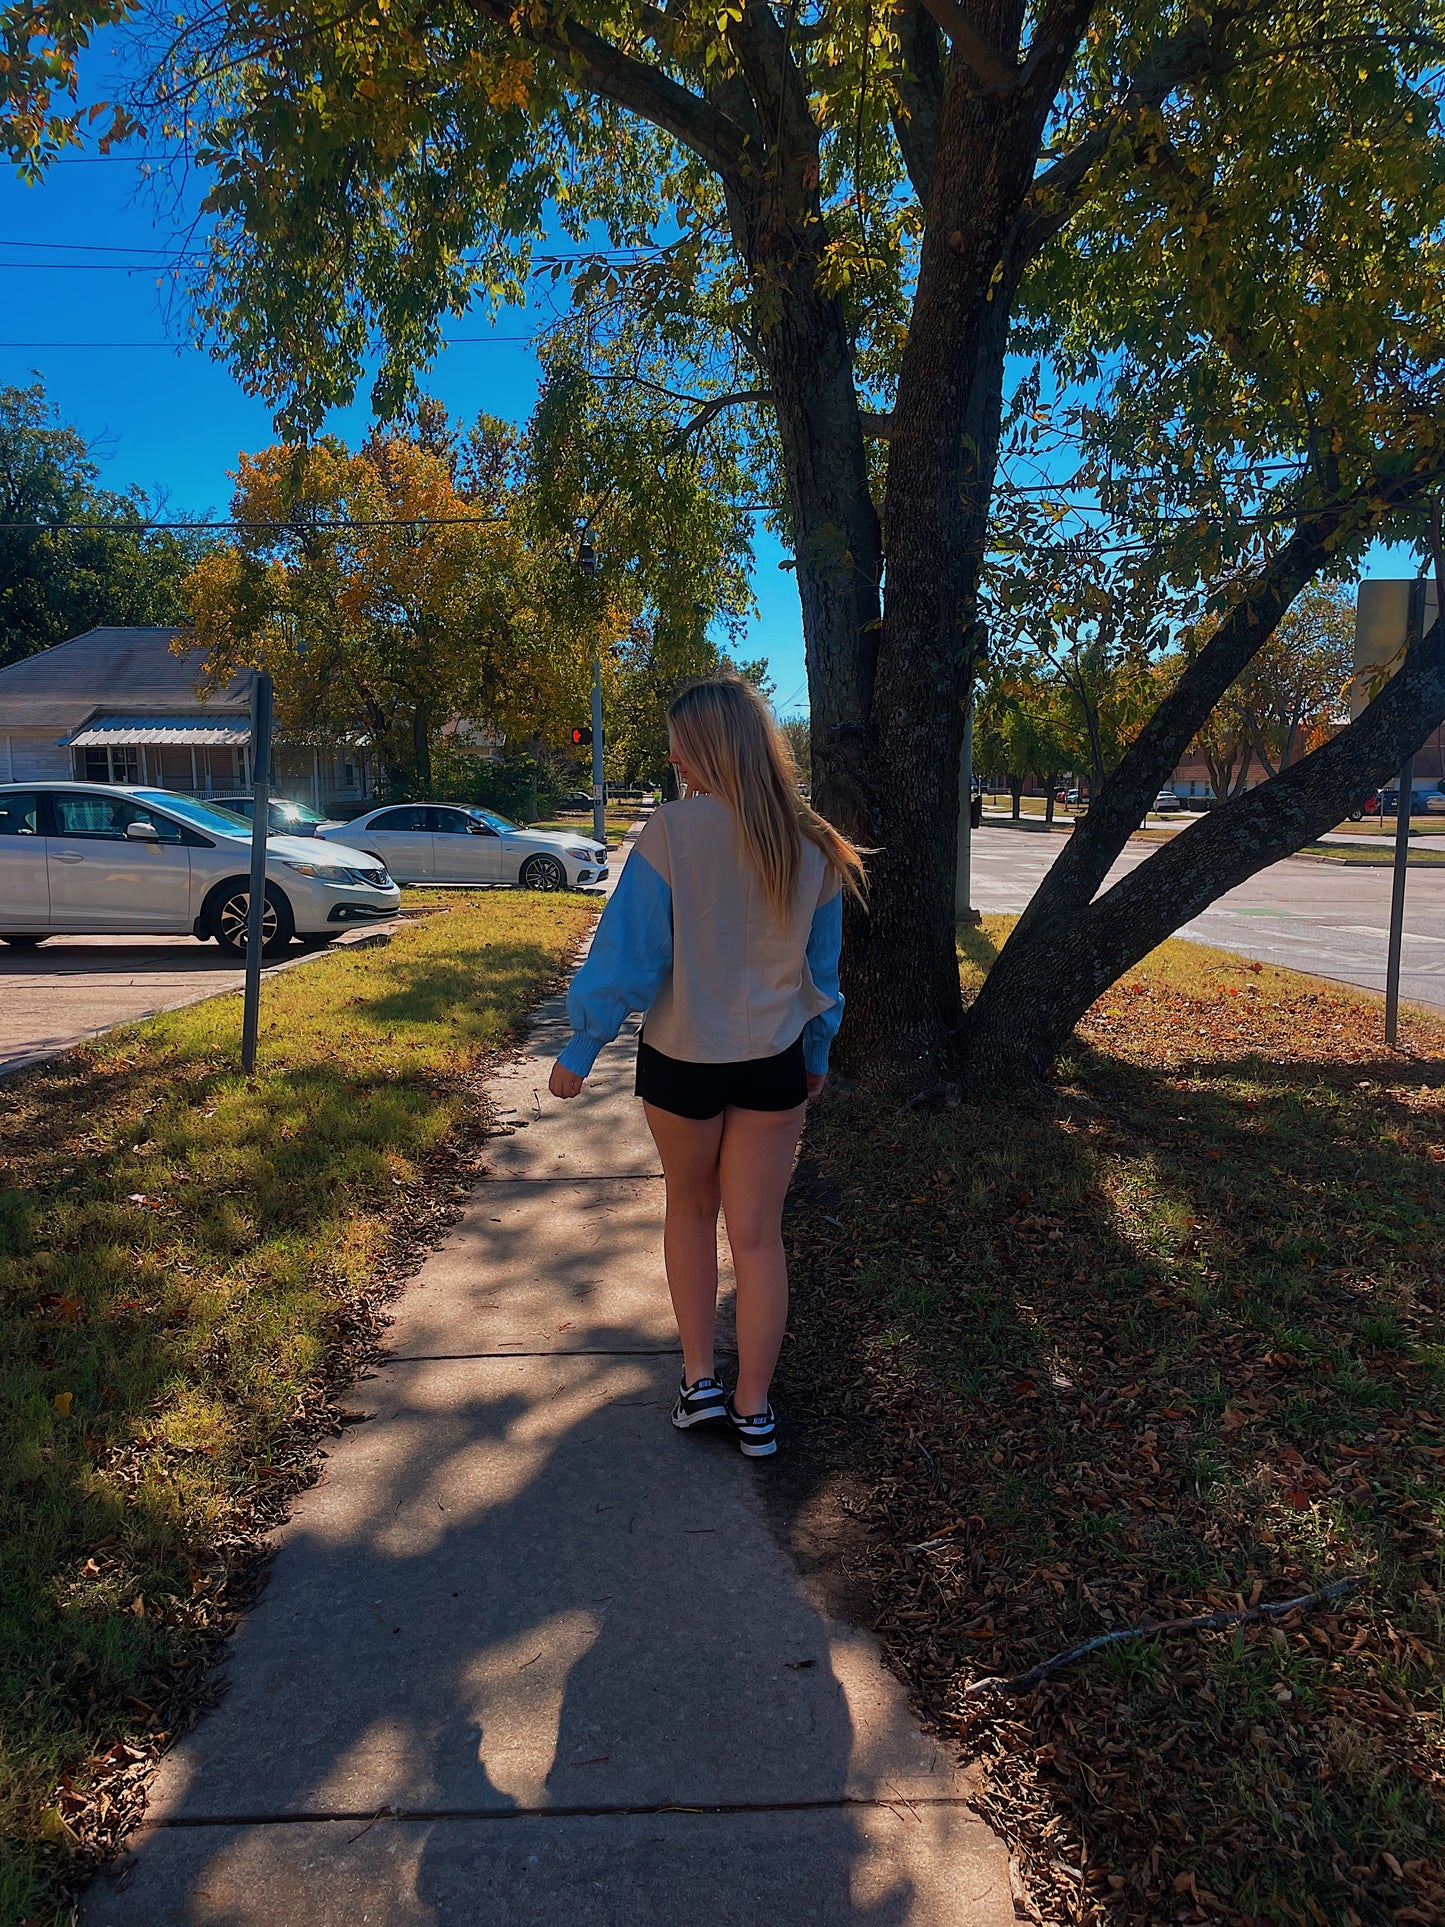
590, 563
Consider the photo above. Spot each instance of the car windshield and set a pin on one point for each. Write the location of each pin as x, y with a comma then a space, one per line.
205, 816
497, 823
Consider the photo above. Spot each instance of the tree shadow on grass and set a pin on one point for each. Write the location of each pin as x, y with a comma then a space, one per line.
1128, 1358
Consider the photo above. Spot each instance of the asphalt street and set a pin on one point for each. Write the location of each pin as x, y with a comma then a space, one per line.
1302, 913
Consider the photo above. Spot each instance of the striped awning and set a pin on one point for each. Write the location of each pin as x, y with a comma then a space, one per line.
163, 732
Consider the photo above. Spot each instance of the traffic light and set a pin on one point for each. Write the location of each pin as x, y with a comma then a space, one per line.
582, 738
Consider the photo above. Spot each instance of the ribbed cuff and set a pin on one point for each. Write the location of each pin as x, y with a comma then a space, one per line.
581, 1053
815, 1055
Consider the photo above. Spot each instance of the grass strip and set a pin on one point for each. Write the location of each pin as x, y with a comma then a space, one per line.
190, 1262
1167, 1342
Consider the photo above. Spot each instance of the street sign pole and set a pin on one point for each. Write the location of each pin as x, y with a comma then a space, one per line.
1414, 627
963, 910
255, 924
599, 795
1397, 903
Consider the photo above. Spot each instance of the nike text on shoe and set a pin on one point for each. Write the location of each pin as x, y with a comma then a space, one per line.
757, 1436
698, 1403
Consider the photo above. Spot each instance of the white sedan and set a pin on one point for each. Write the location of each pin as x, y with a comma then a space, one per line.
90, 858
458, 843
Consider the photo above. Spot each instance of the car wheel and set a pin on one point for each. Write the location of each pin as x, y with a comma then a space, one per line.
230, 912
543, 873
20, 939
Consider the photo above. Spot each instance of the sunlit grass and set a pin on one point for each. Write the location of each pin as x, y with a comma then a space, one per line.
182, 1252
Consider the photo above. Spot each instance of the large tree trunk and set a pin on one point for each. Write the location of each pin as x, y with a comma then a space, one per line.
902, 969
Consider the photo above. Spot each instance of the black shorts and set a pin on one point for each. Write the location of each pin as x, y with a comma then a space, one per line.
705, 1090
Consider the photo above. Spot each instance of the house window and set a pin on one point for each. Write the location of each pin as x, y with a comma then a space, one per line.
349, 775
112, 766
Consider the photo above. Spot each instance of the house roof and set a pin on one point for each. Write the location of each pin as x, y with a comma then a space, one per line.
131, 670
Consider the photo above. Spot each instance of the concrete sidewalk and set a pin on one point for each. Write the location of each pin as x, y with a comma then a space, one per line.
528, 1656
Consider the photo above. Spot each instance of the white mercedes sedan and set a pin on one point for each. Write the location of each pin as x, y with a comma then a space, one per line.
459, 843
87, 858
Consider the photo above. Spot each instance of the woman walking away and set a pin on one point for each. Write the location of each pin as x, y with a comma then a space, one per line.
724, 928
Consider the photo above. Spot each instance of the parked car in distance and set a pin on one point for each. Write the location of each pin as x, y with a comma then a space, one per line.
1166, 802
460, 843
86, 858
1422, 802
575, 800
283, 817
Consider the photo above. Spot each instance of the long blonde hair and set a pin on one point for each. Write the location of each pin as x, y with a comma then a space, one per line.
725, 733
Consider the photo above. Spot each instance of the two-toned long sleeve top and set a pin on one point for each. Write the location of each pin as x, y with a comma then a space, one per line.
689, 939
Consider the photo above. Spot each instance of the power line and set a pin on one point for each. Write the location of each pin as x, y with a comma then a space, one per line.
88, 247
181, 347
124, 526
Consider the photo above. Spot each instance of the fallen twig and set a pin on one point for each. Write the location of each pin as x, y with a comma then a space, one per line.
1152, 1629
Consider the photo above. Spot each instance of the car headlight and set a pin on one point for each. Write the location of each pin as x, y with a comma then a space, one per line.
321, 872
581, 856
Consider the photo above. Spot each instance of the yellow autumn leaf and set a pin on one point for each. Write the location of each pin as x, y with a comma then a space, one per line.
62, 1403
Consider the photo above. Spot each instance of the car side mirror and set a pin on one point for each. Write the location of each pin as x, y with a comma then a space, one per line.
481, 829
142, 833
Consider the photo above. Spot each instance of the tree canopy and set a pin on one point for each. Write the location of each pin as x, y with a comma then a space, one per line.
57, 580
432, 576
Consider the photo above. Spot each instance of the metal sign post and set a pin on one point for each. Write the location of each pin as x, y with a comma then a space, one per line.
1391, 617
599, 788
1397, 902
260, 824
963, 910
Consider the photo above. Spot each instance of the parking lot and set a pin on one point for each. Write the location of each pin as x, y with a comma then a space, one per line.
75, 987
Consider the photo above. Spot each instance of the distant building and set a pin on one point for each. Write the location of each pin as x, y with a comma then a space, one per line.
118, 706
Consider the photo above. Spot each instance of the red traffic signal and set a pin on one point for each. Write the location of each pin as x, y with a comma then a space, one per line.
582, 738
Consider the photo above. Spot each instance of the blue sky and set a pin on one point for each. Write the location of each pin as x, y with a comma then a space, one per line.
74, 269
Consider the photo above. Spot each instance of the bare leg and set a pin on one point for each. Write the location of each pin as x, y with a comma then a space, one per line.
755, 1169
688, 1148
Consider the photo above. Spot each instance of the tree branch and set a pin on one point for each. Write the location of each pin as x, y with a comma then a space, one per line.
1059, 191
1262, 825
712, 407
994, 69
1156, 1628
919, 104
643, 90
1084, 862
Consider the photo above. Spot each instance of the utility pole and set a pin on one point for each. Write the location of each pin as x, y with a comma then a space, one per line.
260, 824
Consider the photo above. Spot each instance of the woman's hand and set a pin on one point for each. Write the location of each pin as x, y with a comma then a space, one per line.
564, 1083
816, 1081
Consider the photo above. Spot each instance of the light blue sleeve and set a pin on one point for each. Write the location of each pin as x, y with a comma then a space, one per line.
627, 965
825, 947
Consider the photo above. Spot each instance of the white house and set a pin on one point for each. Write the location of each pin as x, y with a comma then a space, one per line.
118, 706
